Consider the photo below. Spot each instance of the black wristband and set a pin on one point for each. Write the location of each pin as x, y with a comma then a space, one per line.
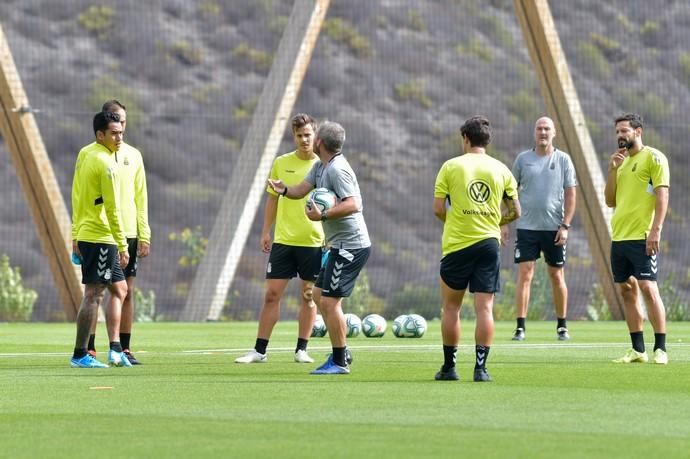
284, 193
564, 225
324, 216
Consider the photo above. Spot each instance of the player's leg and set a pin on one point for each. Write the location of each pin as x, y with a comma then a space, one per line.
128, 306
88, 311
623, 270
555, 261
113, 315
527, 250
647, 280
309, 265
91, 348
484, 283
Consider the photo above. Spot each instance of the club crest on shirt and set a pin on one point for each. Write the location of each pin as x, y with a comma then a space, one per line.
479, 191
126, 162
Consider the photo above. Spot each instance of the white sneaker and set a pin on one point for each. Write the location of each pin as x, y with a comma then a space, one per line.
252, 357
660, 357
302, 357
632, 356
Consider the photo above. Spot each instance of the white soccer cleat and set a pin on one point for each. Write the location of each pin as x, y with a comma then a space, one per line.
252, 357
660, 357
302, 357
632, 356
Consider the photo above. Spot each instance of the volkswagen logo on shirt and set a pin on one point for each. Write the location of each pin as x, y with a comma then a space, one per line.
479, 191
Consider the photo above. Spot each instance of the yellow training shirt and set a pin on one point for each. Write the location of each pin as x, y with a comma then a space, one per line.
133, 194
292, 227
96, 214
475, 185
636, 180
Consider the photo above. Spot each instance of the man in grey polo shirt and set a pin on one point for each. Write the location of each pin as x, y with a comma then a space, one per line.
346, 235
546, 186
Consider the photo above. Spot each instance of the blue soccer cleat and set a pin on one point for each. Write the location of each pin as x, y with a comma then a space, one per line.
86, 362
118, 359
331, 368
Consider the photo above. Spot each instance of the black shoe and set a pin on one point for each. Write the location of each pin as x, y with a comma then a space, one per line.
519, 334
131, 357
481, 375
447, 375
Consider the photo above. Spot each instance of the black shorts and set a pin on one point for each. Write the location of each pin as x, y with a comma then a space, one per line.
478, 265
100, 263
629, 258
131, 269
530, 243
339, 273
287, 261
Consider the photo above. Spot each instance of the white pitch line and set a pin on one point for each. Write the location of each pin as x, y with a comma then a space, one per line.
387, 347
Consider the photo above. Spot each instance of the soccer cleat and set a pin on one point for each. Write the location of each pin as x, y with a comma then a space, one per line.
118, 359
660, 357
331, 368
252, 357
131, 357
92, 353
447, 375
481, 375
301, 356
563, 334
348, 356
632, 356
86, 362
519, 334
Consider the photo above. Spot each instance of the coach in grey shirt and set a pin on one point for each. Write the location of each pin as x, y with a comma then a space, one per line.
546, 186
346, 235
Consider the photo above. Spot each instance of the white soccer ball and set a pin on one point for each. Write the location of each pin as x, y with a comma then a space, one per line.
353, 324
411, 326
318, 330
374, 326
398, 325
323, 198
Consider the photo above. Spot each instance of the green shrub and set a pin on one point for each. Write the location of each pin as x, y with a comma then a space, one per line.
677, 307
522, 106
210, 8
344, 32
592, 58
194, 243
476, 48
145, 310
16, 301
186, 53
362, 301
413, 91
261, 60
651, 34
597, 307
97, 19
415, 21
684, 61
496, 30
245, 110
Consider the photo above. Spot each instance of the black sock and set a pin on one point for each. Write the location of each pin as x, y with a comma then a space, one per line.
92, 342
116, 346
78, 353
261, 345
482, 354
561, 323
124, 339
339, 356
301, 344
449, 353
637, 341
521, 323
660, 341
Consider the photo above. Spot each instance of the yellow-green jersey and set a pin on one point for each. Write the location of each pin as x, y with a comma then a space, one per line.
96, 213
292, 227
133, 194
474, 185
636, 180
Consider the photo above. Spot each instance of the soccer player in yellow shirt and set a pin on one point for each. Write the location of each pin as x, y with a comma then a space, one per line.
467, 199
296, 249
637, 188
99, 239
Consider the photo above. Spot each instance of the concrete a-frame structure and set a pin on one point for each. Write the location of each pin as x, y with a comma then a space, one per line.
238, 210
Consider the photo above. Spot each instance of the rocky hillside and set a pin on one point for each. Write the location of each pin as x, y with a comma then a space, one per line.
400, 75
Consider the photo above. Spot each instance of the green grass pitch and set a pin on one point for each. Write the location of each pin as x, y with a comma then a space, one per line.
188, 399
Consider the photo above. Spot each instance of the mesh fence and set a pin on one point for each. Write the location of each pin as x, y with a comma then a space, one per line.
401, 76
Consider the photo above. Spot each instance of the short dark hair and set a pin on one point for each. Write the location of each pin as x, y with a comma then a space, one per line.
302, 119
112, 104
634, 119
477, 130
102, 120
